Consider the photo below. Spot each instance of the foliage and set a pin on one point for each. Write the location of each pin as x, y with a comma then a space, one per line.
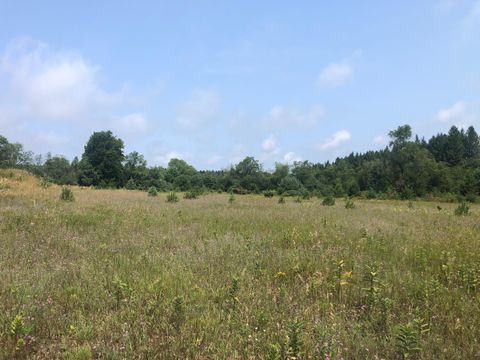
349, 204
462, 209
152, 191
328, 201
172, 197
190, 195
67, 194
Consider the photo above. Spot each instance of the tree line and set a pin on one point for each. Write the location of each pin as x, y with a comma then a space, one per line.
445, 165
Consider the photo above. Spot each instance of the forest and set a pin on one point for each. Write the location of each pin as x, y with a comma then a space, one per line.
446, 166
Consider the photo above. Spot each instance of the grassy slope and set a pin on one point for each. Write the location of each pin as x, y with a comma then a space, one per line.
117, 274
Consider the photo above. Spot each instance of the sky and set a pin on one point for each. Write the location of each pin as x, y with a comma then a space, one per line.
211, 82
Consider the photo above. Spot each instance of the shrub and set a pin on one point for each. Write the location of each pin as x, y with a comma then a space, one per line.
130, 185
152, 191
67, 194
172, 198
328, 201
349, 204
231, 199
281, 200
371, 194
190, 195
269, 193
471, 198
462, 209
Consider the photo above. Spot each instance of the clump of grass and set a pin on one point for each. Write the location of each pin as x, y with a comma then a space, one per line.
172, 197
152, 191
349, 204
462, 209
328, 201
298, 199
231, 198
190, 195
281, 200
67, 194
45, 183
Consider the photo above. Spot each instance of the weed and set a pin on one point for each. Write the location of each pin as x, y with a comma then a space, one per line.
281, 200
328, 201
349, 204
231, 198
172, 197
152, 191
408, 338
462, 209
67, 194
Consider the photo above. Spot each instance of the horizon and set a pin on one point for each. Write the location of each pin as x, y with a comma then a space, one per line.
213, 83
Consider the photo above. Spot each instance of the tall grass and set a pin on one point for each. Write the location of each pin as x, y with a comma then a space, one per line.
116, 275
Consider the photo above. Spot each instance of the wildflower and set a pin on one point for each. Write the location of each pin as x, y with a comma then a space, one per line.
280, 275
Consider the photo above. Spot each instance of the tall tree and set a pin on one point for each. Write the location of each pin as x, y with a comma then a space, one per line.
101, 163
400, 136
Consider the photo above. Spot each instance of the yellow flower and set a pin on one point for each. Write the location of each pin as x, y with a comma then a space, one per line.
347, 274
280, 274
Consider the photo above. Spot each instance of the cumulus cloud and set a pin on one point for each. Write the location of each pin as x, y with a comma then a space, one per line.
42, 86
290, 157
201, 108
282, 116
338, 73
335, 140
453, 113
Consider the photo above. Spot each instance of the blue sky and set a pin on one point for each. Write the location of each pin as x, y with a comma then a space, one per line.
214, 81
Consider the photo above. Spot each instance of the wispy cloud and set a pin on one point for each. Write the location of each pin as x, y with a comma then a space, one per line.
283, 117
335, 140
201, 108
455, 112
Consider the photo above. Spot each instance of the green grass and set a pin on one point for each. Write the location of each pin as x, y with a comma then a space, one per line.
119, 275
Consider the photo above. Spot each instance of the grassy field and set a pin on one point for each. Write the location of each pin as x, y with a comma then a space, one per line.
120, 275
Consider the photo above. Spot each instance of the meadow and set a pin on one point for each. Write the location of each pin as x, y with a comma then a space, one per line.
117, 274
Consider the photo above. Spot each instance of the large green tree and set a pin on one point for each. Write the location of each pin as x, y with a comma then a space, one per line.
101, 163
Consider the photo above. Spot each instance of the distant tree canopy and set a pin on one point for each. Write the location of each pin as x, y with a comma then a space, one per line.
447, 163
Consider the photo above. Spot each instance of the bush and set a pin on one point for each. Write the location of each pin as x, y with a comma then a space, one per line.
281, 200
349, 204
371, 194
152, 191
172, 198
328, 201
130, 185
269, 193
67, 194
471, 198
462, 209
190, 195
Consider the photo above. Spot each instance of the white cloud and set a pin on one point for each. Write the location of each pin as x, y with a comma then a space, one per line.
335, 140
455, 112
48, 84
132, 124
164, 159
291, 157
336, 74
269, 145
282, 116
201, 108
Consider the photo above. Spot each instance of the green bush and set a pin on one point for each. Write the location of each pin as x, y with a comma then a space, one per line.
130, 185
67, 194
172, 198
152, 191
328, 201
349, 204
190, 195
462, 209
269, 193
